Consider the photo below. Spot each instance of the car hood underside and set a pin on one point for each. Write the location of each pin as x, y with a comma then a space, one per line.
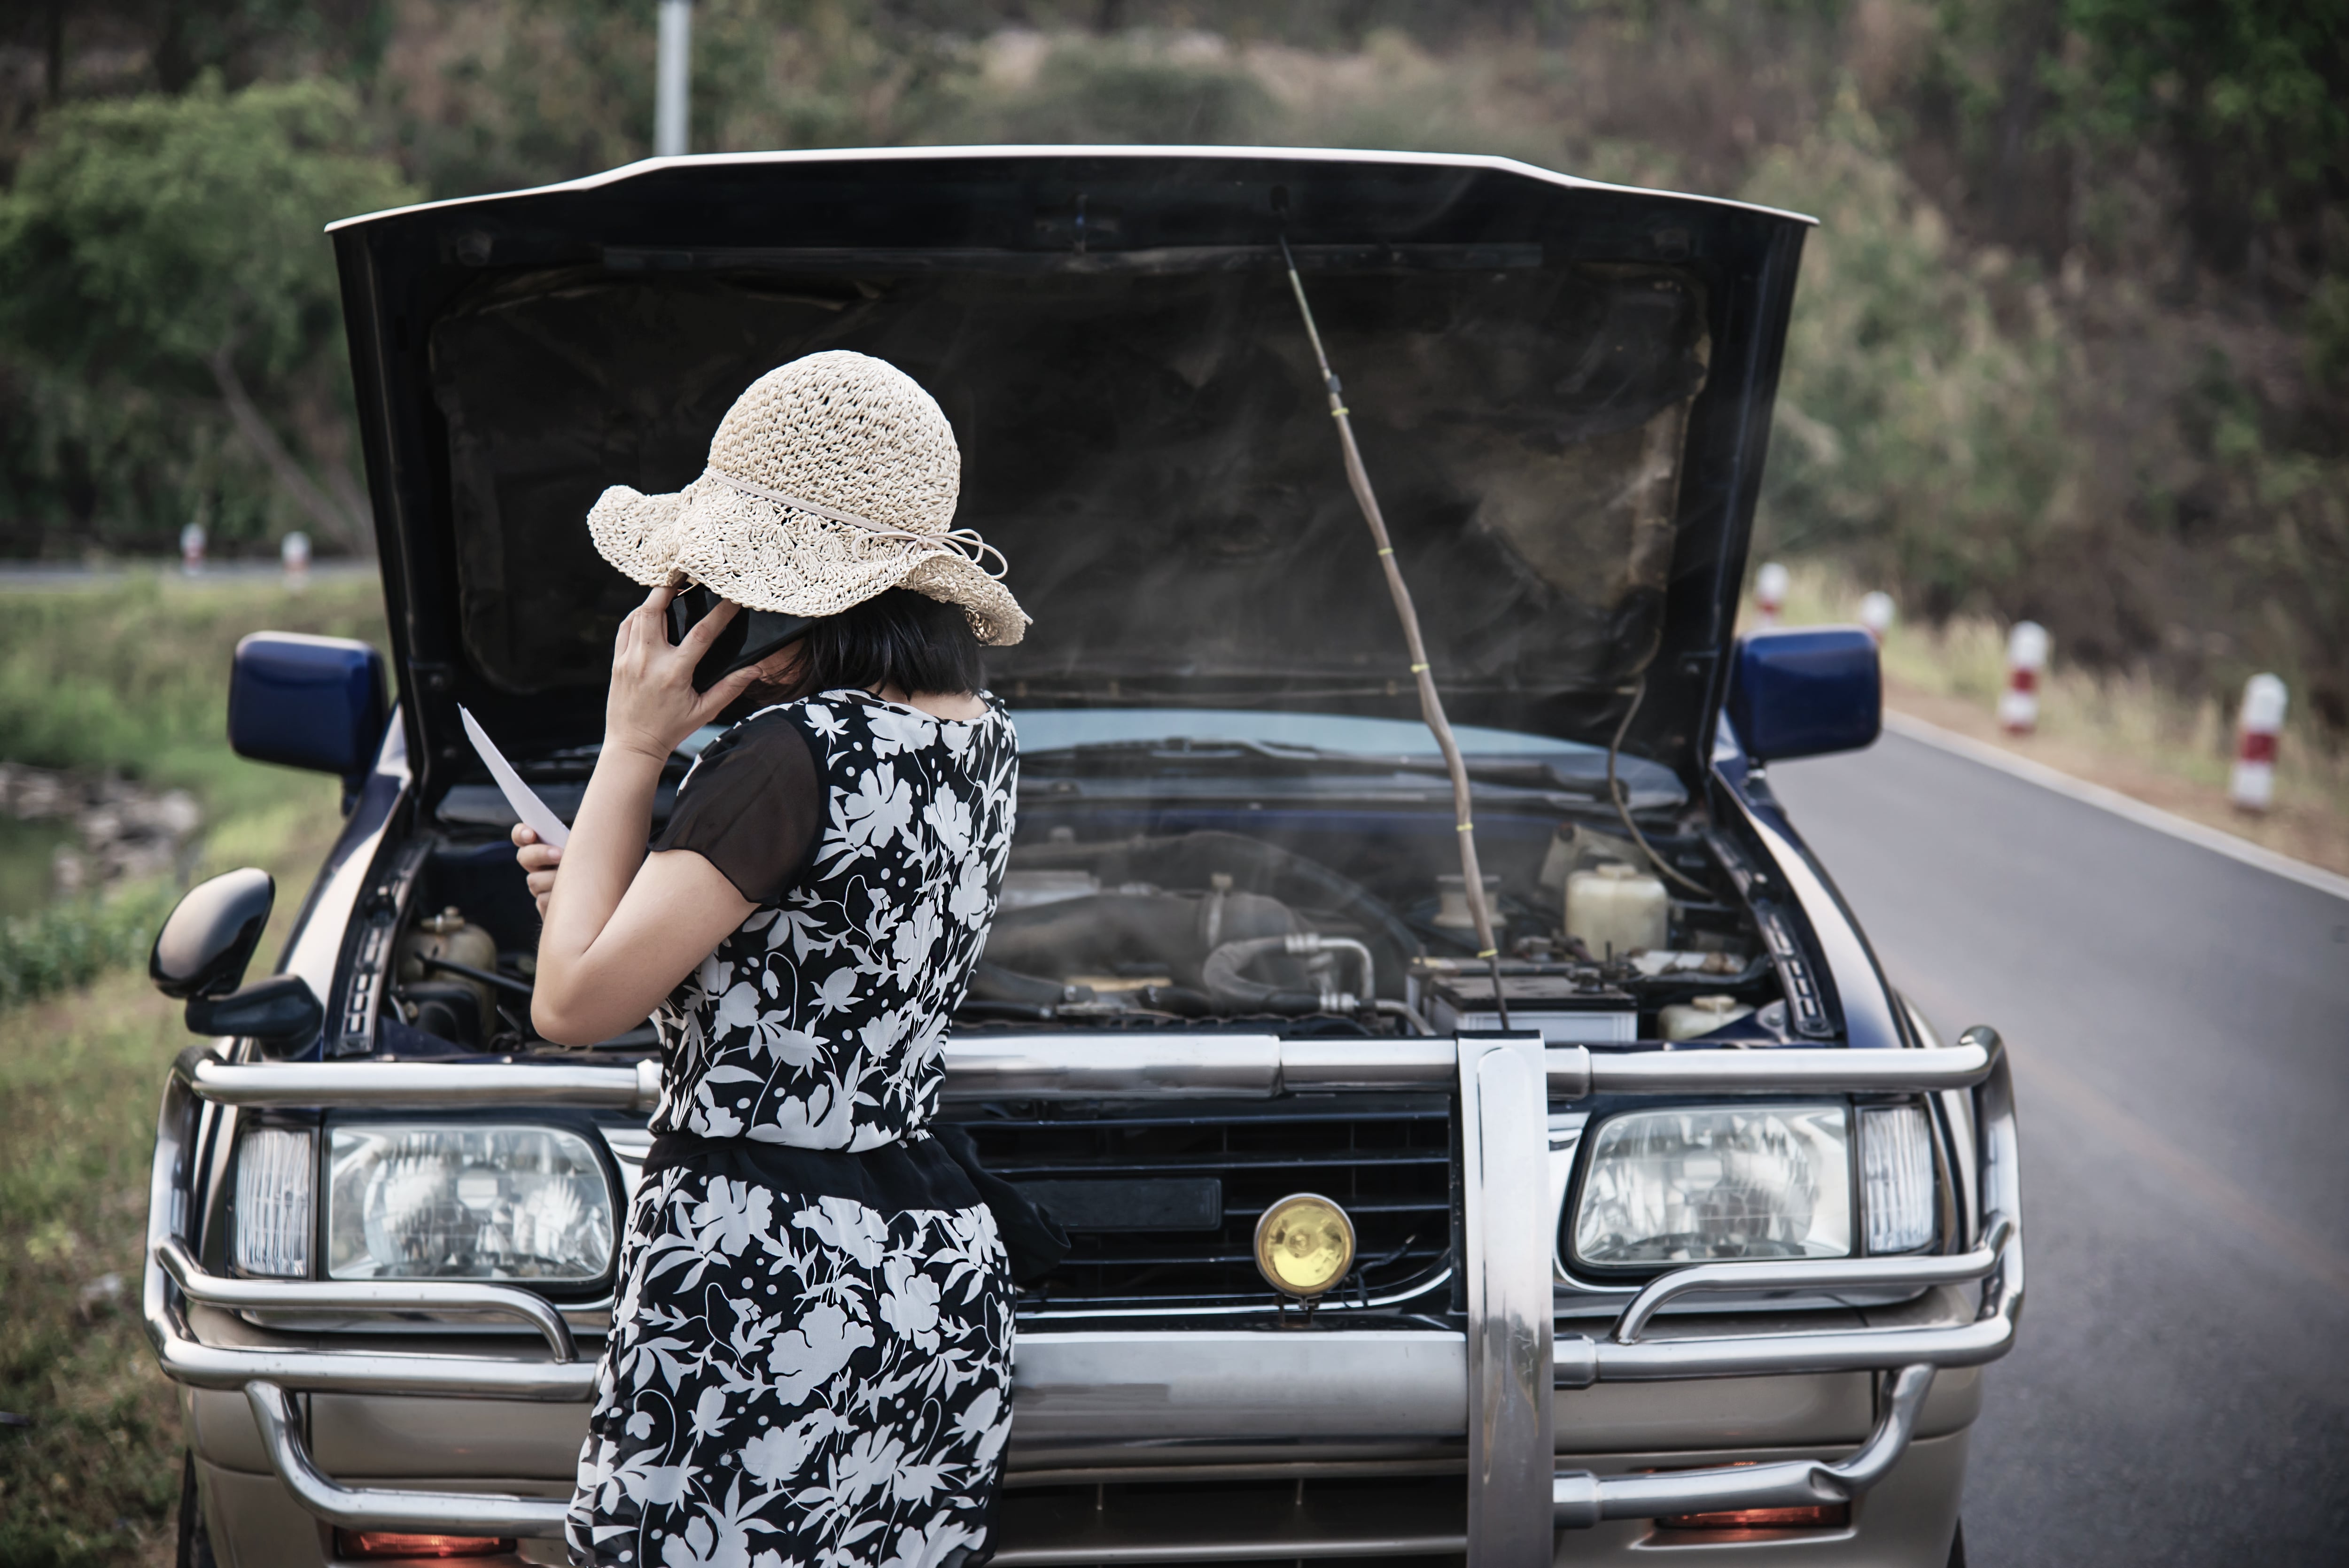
1559, 389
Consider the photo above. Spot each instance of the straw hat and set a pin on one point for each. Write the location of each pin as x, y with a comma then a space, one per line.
831, 479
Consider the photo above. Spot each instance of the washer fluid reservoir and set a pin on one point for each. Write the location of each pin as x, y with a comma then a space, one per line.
1615, 911
1699, 1016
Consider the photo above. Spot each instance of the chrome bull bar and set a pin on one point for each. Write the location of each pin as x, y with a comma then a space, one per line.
380, 1508
1112, 1066
1580, 1500
1511, 1359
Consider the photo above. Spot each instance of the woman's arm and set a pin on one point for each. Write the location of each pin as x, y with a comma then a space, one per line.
623, 927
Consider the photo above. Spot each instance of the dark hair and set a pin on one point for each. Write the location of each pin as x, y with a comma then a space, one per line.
896, 637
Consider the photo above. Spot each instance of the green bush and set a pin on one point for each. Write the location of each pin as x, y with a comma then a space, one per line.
70, 944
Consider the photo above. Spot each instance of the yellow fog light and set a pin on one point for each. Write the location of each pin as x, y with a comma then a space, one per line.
1304, 1245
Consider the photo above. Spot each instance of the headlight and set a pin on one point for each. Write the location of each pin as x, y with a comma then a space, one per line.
1896, 1173
272, 1203
466, 1202
1719, 1182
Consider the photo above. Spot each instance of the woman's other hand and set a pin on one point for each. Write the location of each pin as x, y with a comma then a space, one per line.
653, 706
539, 861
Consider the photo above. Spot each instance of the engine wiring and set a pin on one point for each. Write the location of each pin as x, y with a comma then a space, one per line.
1622, 807
1430, 704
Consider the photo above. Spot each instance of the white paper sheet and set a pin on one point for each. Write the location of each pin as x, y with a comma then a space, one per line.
535, 813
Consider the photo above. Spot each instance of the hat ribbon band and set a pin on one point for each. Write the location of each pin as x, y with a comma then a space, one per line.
964, 542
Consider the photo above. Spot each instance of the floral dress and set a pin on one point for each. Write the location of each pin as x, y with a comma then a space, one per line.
809, 1360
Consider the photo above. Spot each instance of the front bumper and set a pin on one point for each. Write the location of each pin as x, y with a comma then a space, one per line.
1496, 1385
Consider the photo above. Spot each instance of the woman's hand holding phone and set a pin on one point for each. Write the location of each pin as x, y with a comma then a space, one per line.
629, 925
653, 706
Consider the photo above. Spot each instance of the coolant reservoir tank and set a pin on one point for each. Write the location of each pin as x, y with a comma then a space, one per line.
451, 937
1615, 910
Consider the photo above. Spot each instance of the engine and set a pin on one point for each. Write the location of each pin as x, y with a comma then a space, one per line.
1199, 925
1220, 925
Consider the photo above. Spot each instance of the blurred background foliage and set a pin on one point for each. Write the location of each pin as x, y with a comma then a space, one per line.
160, 265
2073, 342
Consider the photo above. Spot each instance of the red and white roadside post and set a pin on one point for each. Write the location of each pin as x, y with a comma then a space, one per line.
293, 553
2026, 660
191, 549
1769, 594
2251, 786
1876, 614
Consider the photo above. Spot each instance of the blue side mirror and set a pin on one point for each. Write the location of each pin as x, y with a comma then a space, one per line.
1805, 692
307, 702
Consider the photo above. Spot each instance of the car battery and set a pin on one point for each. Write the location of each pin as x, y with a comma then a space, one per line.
1568, 1011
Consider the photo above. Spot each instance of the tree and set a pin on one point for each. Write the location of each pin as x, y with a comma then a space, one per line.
2250, 97
169, 249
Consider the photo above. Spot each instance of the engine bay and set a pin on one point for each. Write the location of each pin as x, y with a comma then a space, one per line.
1318, 923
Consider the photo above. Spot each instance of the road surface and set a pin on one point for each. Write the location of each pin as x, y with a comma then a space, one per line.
2179, 1024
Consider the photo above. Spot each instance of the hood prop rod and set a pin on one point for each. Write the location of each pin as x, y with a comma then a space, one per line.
1430, 704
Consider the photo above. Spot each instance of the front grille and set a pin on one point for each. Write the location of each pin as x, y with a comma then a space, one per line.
1397, 1521
1385, 1159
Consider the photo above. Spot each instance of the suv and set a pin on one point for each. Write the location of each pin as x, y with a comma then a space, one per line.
1672, 1226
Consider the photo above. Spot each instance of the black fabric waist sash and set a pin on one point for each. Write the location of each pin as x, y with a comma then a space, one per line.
909, 1173
920, 1173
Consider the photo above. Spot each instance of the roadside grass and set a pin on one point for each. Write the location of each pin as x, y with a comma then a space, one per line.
131, 678
2126, 732
94, 1477
131, 675
93, 1480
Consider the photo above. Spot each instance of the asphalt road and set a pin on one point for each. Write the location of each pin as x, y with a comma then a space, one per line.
2179, 1024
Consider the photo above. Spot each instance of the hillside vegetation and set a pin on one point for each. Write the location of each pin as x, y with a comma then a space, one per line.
2072, 341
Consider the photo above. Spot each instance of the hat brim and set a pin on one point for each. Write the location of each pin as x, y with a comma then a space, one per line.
764, 555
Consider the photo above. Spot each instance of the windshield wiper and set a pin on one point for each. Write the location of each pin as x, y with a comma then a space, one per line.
1532, 773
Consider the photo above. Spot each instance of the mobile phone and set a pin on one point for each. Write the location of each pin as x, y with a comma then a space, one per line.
751, 636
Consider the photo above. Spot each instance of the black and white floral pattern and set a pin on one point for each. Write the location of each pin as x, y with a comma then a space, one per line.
796, 1384
794, 1379
818, 1023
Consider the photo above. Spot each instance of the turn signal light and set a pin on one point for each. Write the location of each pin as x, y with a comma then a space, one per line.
1820, 1516
1304, 1245
397, 1543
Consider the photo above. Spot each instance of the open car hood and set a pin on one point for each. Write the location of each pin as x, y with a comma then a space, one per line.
1561, 390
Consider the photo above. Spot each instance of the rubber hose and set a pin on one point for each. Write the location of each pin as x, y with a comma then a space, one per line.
1226, 981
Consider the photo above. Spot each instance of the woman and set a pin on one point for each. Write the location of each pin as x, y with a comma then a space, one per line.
810, 1355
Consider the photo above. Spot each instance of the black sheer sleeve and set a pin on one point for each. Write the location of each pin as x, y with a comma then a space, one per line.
752, 806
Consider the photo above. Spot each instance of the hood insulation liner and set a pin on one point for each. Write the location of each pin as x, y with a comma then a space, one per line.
1151, 449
